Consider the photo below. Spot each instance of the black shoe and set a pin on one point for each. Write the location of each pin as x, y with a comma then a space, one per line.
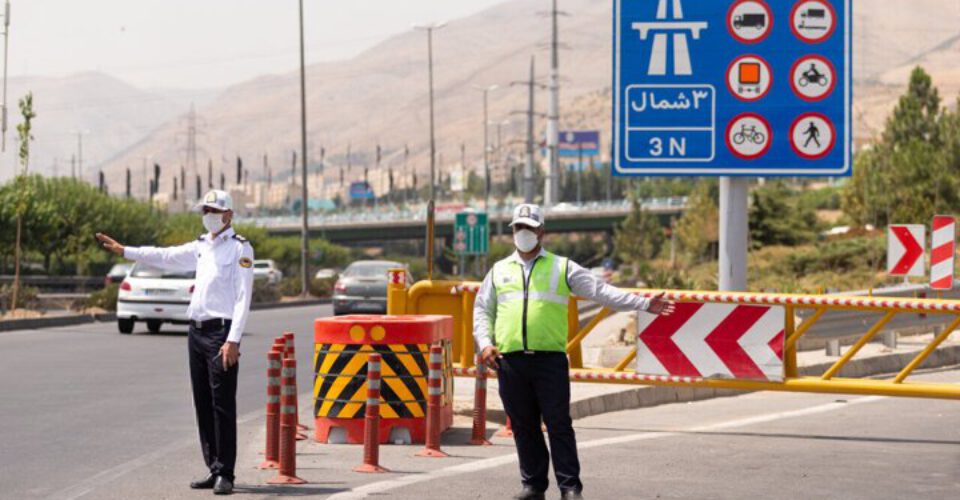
529, 493
571, 495
204, 484
224, 486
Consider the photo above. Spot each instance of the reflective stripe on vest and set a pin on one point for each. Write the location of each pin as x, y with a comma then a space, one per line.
531, 316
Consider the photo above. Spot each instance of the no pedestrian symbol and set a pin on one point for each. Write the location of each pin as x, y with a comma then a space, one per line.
743, 87
471, 234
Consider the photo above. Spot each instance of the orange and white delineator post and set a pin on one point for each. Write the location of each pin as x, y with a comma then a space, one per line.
371, 428
434, 404
271, 452
288, 426
479, 436
290, 351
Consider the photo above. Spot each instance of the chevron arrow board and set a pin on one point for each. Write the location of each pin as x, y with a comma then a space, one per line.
722, 341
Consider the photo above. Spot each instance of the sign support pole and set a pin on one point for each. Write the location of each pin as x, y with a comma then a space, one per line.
733, 233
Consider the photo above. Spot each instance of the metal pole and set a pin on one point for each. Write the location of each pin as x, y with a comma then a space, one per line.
551, 189
579, 172
305, 228
486, 155
528, 188
733, 233
433, 142
464, 176
6, 44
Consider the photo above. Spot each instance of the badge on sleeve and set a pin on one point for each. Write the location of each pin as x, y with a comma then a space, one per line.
245, 262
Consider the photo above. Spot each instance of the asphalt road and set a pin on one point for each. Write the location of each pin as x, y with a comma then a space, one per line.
88, 413
78, 400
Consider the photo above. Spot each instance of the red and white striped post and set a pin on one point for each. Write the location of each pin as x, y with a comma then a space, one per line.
479, 436
288, 426
291, 352
272, 448
371, 427
434, 404
942, 255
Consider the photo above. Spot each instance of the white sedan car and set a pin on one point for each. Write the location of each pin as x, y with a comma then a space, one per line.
267, 269
154, 296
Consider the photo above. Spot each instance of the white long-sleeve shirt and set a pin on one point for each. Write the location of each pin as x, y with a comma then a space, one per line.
581, 281
224, 284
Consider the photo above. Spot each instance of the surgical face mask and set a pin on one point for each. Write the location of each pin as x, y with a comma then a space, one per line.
213, 222
525, 240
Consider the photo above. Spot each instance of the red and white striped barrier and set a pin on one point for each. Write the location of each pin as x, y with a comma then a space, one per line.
943, 253
371, 428
272, 449
287, 473
723, 341
479, 435
434, 404
469, 287
904, 305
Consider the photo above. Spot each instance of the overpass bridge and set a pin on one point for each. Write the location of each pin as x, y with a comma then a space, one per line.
394, 225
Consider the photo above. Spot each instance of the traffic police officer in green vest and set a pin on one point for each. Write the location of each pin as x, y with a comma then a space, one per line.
520, 327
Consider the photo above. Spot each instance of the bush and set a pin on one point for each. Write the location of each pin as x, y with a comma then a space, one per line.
840, 256
264, 292
105, 299
26, 298
290, 287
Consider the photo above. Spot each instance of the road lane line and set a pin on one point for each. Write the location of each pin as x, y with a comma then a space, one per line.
95, 481
489, 463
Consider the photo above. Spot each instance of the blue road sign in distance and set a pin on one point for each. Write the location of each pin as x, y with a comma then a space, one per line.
573, 143
732, 87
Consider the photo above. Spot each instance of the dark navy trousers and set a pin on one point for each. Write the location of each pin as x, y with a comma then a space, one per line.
533, 387
215, 399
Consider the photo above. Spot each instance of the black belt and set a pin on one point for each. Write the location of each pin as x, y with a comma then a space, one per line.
534, 353
210, 324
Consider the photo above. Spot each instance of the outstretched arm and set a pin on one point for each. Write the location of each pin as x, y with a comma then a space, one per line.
178, 258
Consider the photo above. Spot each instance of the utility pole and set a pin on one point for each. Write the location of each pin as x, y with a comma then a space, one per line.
430, 28
528, 188
6, 51
464, 176
375, 197
406, 173
304, 229
552, 186
80, 154
579, 173
486, 144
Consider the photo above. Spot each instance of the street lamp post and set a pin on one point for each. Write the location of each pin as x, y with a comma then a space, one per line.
486, 145
305, 228
430, 28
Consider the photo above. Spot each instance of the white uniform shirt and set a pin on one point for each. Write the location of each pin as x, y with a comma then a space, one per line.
224, 283
582, 284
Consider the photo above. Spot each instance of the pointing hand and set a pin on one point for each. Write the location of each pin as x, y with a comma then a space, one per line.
110, 244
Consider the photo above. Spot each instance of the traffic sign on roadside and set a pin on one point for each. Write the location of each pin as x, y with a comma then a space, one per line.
687, 73
471, 235
906, 245
943, 252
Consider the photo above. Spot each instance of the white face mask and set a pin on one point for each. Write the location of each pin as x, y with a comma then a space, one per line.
525, 240
213, 222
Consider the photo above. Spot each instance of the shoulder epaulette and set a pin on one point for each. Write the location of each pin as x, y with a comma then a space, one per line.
241, 239
200, 238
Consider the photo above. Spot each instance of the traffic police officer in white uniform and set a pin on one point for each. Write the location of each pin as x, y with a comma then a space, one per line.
223, 261
520, 328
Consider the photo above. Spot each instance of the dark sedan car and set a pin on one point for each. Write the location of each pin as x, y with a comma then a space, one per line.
362, 287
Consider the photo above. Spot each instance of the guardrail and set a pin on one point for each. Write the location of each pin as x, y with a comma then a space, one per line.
59, 283
455, 298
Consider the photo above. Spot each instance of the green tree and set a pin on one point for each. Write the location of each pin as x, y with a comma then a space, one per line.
698, 231
25, 133
778, 218
639, 238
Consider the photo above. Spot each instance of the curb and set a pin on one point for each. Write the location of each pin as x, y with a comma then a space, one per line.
648, 396
77, 319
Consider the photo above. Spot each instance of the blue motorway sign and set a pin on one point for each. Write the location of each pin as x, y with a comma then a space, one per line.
732, 87
361, 190
574, 143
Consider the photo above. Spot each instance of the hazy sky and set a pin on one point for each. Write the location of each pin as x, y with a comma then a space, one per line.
204, 43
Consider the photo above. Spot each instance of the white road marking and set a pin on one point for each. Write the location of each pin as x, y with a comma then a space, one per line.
489, 463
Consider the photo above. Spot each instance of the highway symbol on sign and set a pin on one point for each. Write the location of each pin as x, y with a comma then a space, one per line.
749, 78
812, 136
749, 136
725, 341
813, 78
906, 244
679, 29
813, 21
685, 71
750, 21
